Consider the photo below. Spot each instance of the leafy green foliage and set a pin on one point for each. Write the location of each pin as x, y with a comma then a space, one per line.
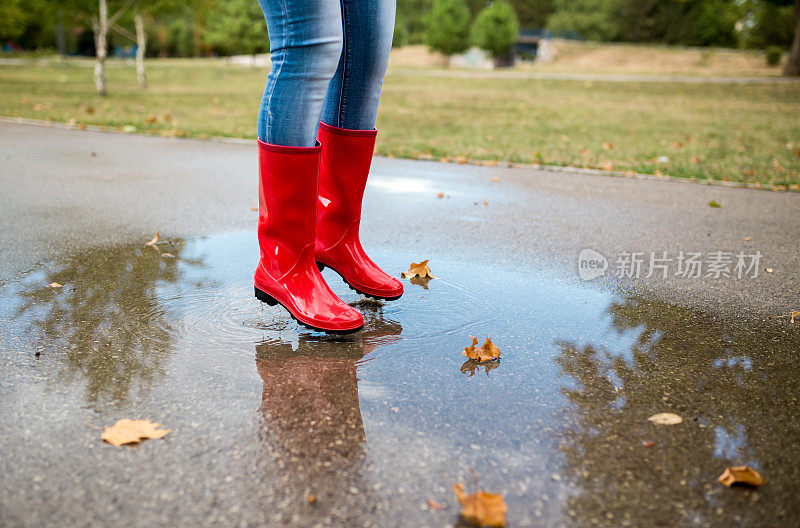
496, 29
592, 19
448, 27
237, 26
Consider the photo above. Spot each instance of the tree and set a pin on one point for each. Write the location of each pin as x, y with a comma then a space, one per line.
591, 19
792, 67
447, 28
237, 26
496, 30
13, 19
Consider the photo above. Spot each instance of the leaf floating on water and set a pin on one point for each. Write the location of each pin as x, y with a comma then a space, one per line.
154, 241
432, 504
127, 431
741, 475
665, 419
54, 285
167, 255
440, 195
487, 352
481, 508
418, 270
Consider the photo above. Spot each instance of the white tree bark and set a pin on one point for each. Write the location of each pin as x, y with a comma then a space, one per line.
101, 49
141, 42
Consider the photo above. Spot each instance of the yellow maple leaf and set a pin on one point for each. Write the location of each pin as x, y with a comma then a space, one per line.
420, 269
127, 431
481, 508
743, 475
487, 352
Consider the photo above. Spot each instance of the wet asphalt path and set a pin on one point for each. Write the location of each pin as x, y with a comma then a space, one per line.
265, 414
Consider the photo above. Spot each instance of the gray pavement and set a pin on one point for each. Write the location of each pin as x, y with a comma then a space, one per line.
264, 414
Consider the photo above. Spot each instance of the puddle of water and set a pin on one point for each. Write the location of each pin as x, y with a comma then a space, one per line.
266, 413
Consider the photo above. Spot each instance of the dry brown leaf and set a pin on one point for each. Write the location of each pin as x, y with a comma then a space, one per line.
481, 508
792, 315
167, 255
54, 285
648, 443
495, 178
311, 499
254, 208
768, 270
151, 119
742, 475
606, 166
665, 419
485, 201
487, 352
127, 431
420, 269
154, 241
432, 504
440, 195
608, 145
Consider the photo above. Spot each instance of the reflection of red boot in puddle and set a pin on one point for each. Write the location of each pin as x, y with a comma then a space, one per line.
312, 418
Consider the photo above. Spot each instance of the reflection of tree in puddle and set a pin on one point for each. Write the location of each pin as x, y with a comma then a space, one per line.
107, 322
736, 388
312, 418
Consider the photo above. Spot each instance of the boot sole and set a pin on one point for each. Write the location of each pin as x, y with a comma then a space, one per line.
322, 266
272, 301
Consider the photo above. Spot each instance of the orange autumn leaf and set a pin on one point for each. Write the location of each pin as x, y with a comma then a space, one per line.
57, 285
132, 432
420, 269
742, 475
481, 508
154, 241
487, 352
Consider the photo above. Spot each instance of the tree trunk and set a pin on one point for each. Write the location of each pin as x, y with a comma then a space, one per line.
792, 66
141, 42
100, 44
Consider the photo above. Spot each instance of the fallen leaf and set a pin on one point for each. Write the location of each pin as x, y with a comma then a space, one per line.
440, 195
741, 475
487, 352
676, 144
495, 178
606, 166
311, 499
420, 269
432, 504
132, 432
151, 119
54, 285
608, 145
485, 201
792, 315
665, 419
462, 160
768, 270
714, 203
154, 241
694, 160
747, 239
481, 508
254, 208
167, 255
648, 444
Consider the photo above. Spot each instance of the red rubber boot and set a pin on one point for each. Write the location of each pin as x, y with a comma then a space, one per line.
343, 171
287, 273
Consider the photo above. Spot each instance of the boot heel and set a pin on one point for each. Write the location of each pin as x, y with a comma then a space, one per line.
263, 297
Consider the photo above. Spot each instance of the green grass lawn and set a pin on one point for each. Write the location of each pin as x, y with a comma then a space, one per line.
743, 133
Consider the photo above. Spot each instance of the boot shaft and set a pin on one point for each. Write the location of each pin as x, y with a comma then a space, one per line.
287, 202
344, 168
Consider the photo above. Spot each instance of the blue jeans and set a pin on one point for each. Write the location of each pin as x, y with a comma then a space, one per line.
329, 58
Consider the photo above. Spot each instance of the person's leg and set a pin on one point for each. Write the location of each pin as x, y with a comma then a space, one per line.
305, 47
347, 135
305, 37
354, 92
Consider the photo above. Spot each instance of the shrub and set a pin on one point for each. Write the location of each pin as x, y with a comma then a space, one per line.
447, 27
496, 30
774, 54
